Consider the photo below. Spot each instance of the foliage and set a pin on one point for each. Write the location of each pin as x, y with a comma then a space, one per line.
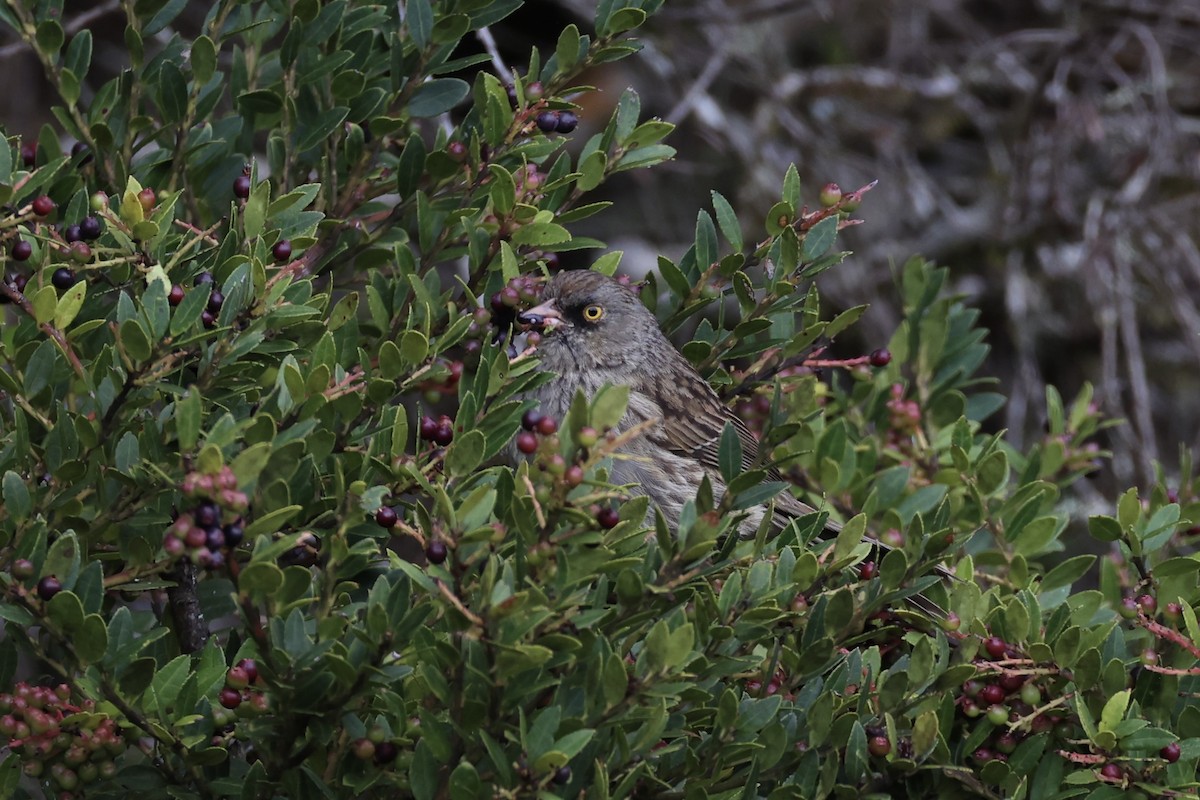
207, 490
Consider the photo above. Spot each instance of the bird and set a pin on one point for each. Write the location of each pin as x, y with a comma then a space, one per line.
598, 332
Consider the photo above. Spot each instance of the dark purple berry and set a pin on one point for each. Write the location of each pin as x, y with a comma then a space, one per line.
90, 228
282, 250
530, 419
385, 753
1170, 753
203, 277
230, 698
547, 121
608, 517
241, 186
386, 517
28, 154
208, 319
215, 301
72, 233
80, 150
444, 434
429, 428
206, 514
234, 534
567, 122
175, 296
62, 279
48, 587
881, 357
436, 552
562, 775
21, 250
995, 646
214, 538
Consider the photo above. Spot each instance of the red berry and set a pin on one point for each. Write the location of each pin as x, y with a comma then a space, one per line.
1112, 772
364, 749
42, 206
48, 587
457, 151
436, 552
547, 426
574, 475
1007, 743
608, 517
1010, 682
527, 443
236, 678
241, 186
21, 250
28, 154
995, 646
386, 517
830, 195
175, 296
879, 746
147, 199
881, 357
867, 570
251, 667
1170, 753
992, 694
282, 250
952, 622
230, 698
428, 428
530, 420
1147, 604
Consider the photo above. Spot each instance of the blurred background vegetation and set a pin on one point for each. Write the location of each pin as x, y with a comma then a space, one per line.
1047, 151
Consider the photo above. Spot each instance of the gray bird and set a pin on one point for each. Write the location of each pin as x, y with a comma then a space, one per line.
598, 332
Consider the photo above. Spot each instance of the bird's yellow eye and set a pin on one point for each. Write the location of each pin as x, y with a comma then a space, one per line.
593, 313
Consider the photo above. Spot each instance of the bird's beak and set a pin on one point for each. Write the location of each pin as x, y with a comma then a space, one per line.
545, 316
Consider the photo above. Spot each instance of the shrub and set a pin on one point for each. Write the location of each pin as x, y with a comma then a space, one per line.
235, 390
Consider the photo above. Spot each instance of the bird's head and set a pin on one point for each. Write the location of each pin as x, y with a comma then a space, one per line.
592, 322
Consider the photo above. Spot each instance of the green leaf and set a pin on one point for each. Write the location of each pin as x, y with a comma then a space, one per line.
128, 453
17, 503
172, 93
1106, 529
204, 59
465, 453
541, 233
188, 413
414, 346
321, 127
272, 521
731, 229
819, 239
254, 215
566, 52
592, 171
1129, 509
437, 97
39, 368
135, 341
1114, 711
419, 16
730, 453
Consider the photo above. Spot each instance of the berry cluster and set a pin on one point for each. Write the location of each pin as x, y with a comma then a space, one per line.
375, 747
756, 688
216, 300
213, 526
448, 373
239, 693
54, 744
553, 476
557, 121
440, 431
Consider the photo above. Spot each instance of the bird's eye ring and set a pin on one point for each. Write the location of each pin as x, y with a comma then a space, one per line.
593, 313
